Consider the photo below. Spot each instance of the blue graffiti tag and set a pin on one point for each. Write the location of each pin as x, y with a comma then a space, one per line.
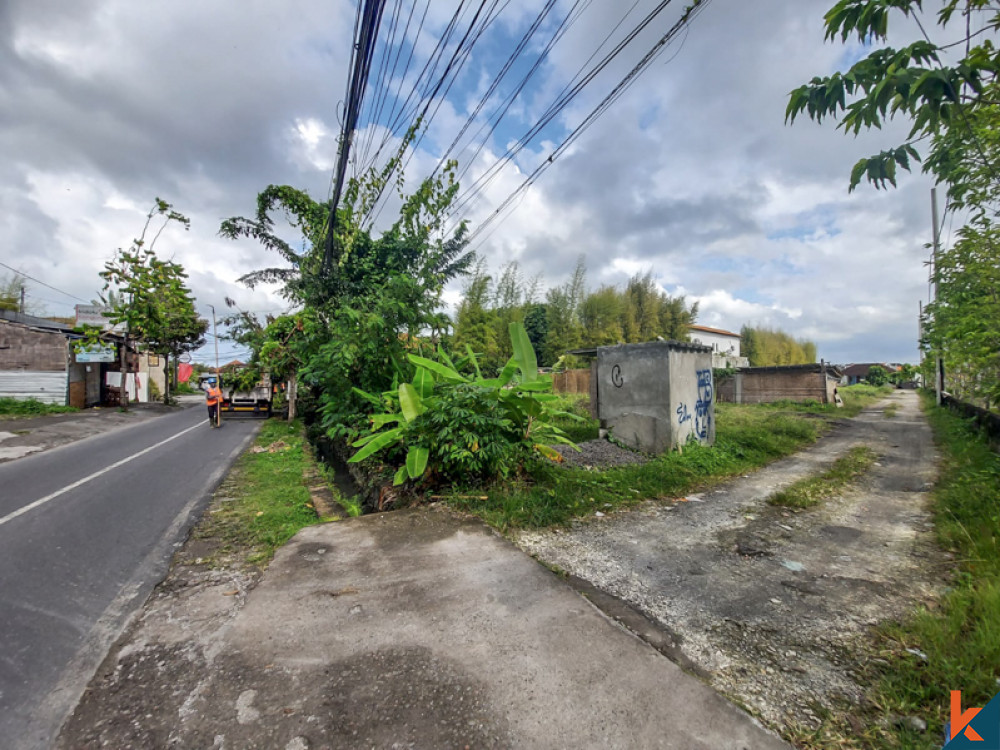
683, 415
703, 406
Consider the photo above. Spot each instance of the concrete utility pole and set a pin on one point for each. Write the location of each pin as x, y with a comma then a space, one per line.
215, 335
938, 368
22, 299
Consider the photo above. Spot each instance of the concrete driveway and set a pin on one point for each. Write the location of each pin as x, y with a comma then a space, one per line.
415, 629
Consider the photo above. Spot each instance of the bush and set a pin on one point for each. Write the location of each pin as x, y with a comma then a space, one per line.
459, 430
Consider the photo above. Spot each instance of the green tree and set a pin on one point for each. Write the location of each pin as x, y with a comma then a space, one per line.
601, 316
137, 278
963, 323
766, 347
10, 292
171, 326
877, 375
938, 88
475, 325
376, 297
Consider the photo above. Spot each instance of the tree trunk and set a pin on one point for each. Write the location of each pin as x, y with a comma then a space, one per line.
123, 364
293, 387
166, 379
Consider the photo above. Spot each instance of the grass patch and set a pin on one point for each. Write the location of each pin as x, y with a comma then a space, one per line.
747, 437
810, 491
890, 411
269, 501
30, 407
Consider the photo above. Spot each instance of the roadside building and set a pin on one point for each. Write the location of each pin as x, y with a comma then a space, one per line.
725, 345
36, 361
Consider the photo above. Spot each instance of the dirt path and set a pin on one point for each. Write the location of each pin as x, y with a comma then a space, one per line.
766, 603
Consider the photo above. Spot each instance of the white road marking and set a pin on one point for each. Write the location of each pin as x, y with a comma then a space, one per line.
105, 470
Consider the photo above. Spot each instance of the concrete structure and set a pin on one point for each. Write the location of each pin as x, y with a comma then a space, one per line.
760, 385
655, 396
36, 360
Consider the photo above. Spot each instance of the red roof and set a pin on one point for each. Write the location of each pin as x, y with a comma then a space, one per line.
719, 331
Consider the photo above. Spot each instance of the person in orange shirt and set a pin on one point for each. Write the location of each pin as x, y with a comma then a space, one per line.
213, 398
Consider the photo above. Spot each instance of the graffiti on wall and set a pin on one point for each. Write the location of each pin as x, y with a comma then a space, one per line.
703, 406
616, 376
683, 415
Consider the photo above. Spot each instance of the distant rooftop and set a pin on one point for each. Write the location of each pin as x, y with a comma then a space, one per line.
719, 331
30, 320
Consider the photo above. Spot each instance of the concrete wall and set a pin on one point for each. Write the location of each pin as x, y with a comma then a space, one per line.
656, 396
729, 345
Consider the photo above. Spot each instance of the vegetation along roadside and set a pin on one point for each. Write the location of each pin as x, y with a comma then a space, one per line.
747, 437
30, 407
263, 501
950, 644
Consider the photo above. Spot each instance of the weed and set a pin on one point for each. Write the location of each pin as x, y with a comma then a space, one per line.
890, 411
810, 491
30, 407
747, 437
270, 500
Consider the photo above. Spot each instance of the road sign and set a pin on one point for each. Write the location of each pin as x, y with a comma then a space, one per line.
184, 358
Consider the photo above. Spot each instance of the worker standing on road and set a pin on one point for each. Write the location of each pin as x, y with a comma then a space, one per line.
213, 398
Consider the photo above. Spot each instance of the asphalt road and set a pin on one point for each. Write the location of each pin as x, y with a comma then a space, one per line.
86, 531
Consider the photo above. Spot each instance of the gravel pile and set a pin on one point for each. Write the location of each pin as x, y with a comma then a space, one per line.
600, 454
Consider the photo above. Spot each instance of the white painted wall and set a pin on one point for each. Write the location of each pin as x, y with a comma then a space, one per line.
728, 345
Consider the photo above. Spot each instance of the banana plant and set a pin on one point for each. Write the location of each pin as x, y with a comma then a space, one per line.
519, 390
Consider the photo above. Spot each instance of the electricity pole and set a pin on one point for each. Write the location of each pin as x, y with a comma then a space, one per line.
215, 335
938, 365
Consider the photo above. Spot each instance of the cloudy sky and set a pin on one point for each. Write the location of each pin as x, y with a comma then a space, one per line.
692, 173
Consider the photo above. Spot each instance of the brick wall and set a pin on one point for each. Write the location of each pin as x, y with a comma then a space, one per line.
22, 348
765, 387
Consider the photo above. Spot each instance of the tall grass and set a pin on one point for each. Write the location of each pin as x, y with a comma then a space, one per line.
271, 502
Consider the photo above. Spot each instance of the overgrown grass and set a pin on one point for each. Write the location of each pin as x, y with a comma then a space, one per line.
270, 501
747, 437
890, 411
811, 491
956, 642
30, 407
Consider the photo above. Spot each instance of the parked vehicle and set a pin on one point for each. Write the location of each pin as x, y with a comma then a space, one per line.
254, 402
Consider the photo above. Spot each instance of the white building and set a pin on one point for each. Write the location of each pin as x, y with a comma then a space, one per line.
725, 345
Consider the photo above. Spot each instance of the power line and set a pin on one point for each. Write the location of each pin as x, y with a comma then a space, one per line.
365, 46
38, 281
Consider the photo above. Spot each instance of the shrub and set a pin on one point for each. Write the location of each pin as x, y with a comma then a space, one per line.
457, 429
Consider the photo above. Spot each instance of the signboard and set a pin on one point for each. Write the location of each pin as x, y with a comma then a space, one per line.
96, 354
93, 315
